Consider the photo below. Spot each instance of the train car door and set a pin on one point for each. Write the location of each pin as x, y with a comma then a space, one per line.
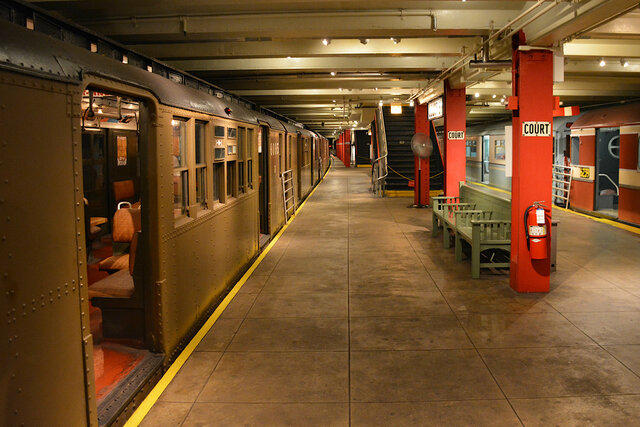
607, 170
263, 172
300, 163
485, 157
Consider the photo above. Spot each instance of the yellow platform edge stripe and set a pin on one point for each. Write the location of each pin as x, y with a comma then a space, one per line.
153, 396
610, 222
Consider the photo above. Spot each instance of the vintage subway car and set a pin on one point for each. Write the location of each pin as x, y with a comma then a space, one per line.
130, 204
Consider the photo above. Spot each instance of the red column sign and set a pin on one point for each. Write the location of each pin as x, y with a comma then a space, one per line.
455, 124
532, 104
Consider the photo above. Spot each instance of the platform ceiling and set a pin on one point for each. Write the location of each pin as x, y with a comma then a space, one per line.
272, 51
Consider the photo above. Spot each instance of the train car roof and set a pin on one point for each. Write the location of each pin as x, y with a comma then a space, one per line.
309, 133
624, 114
36, 54
270, 121
290, 128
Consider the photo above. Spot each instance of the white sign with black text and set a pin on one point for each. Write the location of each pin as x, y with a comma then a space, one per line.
536, 129
455, 135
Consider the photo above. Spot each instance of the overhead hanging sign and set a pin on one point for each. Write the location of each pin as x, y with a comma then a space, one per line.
536, 129
455, 135
434, 109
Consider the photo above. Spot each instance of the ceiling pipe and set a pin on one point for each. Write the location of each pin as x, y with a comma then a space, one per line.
460, 63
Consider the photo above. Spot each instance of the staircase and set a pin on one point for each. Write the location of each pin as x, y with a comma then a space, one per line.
400, 129
436, 164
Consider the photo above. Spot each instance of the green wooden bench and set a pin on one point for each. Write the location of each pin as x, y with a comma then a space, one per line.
481, 233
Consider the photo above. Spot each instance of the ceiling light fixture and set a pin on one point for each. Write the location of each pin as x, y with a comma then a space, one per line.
333, 73
624, 63
434, 23
326, 42
411, 103
477, 95
493, 96
396, 40
380, 103
602, 62
364, 41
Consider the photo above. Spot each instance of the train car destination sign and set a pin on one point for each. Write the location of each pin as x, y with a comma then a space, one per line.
536, 129
455, 135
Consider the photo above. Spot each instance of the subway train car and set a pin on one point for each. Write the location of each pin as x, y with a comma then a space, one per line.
130, 205
600, 146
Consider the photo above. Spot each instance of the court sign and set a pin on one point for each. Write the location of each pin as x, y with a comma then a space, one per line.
455, 135
536, 129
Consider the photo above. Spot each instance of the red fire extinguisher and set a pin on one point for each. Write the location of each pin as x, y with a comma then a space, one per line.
535, 226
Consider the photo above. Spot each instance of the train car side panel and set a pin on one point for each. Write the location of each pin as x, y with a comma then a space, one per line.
44, 304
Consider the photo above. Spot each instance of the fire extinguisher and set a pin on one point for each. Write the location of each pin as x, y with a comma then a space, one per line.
535, 227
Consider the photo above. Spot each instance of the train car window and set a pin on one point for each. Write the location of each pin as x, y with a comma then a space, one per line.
280, 150
575, 150
180, 171
201, 165
472, 148
250, 145
242, 137
499, 149
289, 145
232, 190
231, 133
218, 131
218, 180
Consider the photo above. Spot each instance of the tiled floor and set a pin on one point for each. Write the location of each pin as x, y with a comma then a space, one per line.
358, 317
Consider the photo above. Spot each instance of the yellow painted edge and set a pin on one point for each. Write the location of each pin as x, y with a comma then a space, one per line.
616, 224
398, 193
363, 166
610, 222
153, 396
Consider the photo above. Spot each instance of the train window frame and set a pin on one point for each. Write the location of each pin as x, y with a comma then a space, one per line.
219, 131
575, 150
474, 141
200, 164
494, 149
180, 166
232, 133
251, 134
218, 188
231, 179
242, 138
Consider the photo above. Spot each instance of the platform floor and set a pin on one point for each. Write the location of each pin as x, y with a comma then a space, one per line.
358, 317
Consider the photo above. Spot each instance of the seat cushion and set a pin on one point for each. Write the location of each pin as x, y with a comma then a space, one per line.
116, 285
126, 222
115, 262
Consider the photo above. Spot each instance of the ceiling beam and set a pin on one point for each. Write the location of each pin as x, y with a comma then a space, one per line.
602, 48
435, 46
313, 24
574, 18
332, 63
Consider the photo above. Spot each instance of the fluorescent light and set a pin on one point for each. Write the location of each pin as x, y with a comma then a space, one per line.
396, 108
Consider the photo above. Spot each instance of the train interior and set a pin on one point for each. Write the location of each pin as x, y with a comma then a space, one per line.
113, 225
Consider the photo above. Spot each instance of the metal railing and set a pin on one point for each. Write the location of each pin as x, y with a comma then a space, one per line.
561, 183
380, 167
611, 181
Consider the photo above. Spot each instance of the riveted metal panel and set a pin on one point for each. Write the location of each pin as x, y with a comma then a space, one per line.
42, 352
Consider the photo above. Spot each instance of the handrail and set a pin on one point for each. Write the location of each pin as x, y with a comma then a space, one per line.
379, 169
611, 181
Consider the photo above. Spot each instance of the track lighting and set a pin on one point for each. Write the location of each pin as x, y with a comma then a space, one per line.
624, 63
602, 62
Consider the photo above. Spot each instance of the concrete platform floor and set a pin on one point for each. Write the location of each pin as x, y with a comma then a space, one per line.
358, 317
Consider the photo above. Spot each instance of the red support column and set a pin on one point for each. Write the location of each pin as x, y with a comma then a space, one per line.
421, 166
347, 148
533, 104
455, 125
